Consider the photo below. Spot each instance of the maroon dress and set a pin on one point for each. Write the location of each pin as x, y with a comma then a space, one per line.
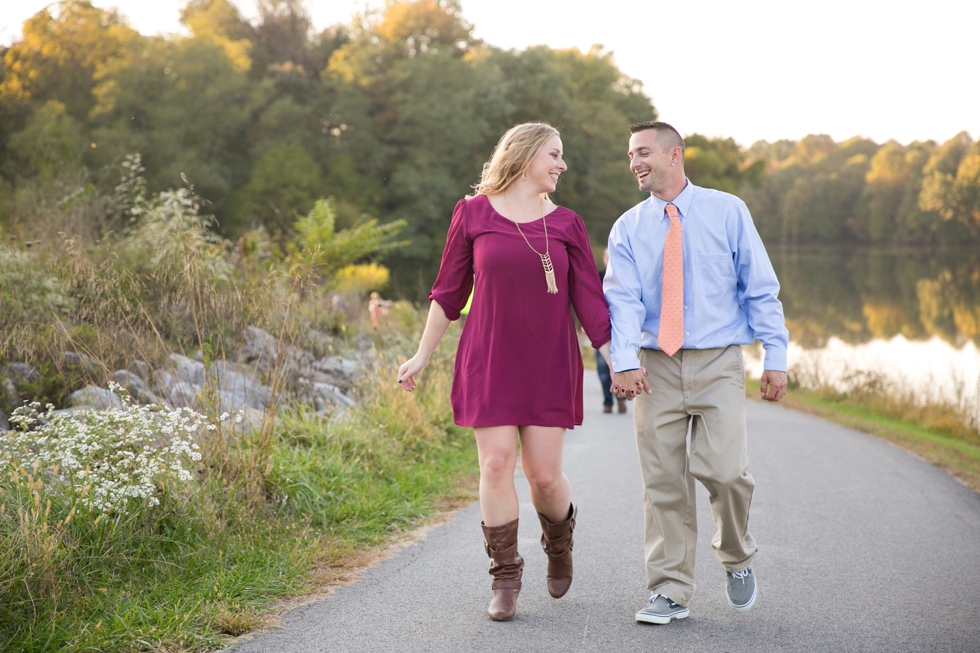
518, 360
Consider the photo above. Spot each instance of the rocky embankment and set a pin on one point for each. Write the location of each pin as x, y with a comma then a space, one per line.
265, 374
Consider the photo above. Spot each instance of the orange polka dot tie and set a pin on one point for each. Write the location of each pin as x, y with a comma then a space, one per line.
671, 336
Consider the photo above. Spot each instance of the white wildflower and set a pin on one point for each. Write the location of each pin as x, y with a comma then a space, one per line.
122, 454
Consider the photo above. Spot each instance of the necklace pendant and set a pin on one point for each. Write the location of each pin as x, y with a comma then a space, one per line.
549, 273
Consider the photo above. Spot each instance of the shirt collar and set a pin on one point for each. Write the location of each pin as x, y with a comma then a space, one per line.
682, 202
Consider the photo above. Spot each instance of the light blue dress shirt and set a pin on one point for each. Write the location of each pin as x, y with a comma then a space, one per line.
730, 288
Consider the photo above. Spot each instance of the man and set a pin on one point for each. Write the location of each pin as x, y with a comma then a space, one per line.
688, 282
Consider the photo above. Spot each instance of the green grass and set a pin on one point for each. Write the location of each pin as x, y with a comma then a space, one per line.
211, 560
951, 448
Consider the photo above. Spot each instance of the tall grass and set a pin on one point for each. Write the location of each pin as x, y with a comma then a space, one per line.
955, 417
266, 512
203, 563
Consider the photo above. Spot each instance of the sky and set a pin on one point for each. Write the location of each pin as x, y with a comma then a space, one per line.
752, 70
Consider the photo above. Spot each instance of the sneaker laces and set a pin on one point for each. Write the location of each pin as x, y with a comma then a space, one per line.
741, 575
670, 603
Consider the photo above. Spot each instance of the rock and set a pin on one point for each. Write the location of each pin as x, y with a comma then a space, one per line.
141, 369
8, 393
21, 373
4, 422
251, 423
364, 343
260, 349
268, 355
82, 363
136, 387
295, 364
186, 395
324, 397
188, 369
92, 396
238, 387
163, 381
334, 370
240, 398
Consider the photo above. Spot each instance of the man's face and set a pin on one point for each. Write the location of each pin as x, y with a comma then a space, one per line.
648, 162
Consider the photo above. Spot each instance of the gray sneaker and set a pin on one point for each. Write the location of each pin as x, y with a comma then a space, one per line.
741, 589
661, 610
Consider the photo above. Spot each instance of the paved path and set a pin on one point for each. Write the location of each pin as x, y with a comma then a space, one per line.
863, 547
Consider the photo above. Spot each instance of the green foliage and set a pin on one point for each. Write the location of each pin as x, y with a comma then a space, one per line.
330, 250
29, 293
51, 144
720, 163
284, 184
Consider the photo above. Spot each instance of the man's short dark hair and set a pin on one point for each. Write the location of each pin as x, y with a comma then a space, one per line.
667, 136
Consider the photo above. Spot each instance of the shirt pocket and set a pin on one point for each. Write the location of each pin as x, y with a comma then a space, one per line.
717, 274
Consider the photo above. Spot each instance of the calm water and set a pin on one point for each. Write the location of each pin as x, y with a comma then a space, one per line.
909, 318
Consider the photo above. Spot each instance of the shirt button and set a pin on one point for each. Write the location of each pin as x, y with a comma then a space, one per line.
685, 308
687, 333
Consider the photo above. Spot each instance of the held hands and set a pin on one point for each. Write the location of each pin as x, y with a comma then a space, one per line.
408, 370
772, 386
629, 384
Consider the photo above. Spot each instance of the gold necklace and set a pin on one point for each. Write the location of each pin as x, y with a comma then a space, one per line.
549, 268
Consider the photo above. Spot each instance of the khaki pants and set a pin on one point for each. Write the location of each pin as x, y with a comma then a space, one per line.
704, 390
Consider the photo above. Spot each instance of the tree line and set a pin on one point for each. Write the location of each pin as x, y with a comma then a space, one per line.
818, 191
392, 116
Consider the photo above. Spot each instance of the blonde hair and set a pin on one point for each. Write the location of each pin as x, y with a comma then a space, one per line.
512, 156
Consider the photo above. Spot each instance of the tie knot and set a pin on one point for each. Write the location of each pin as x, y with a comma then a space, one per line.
672, 212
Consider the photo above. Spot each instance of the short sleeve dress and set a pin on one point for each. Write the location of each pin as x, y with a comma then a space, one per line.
518, 361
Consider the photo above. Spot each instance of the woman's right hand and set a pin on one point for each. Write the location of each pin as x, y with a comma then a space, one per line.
408, 370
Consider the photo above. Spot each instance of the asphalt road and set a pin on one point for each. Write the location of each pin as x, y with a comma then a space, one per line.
862, 547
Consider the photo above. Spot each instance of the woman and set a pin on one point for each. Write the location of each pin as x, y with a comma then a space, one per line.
518, 368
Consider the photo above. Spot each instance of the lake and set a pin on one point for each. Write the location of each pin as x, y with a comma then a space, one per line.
909, 318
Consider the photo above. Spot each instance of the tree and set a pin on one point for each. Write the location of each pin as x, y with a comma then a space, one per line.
951, 183
181, 104
285, 182
282, 35
63, 50
219, 22
51, 144
720, 163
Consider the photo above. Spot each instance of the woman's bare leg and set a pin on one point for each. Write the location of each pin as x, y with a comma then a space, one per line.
541, 458
497, 447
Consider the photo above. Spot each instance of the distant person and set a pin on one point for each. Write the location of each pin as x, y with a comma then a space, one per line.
378, 308
518, 367
688, 282
605, 376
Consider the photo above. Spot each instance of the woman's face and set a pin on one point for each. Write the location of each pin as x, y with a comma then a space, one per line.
547, 165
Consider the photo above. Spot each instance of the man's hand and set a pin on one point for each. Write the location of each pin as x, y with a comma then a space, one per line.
630, 383
772, 387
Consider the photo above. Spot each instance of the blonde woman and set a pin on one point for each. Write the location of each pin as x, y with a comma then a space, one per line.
518, 368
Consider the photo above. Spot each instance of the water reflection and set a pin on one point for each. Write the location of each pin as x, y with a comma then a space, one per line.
860, 294
908, 318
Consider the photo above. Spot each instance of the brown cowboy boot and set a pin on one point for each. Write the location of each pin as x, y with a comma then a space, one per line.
556, 540
506, 567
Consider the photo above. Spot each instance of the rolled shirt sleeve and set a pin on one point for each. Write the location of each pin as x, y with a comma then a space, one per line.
455, 279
